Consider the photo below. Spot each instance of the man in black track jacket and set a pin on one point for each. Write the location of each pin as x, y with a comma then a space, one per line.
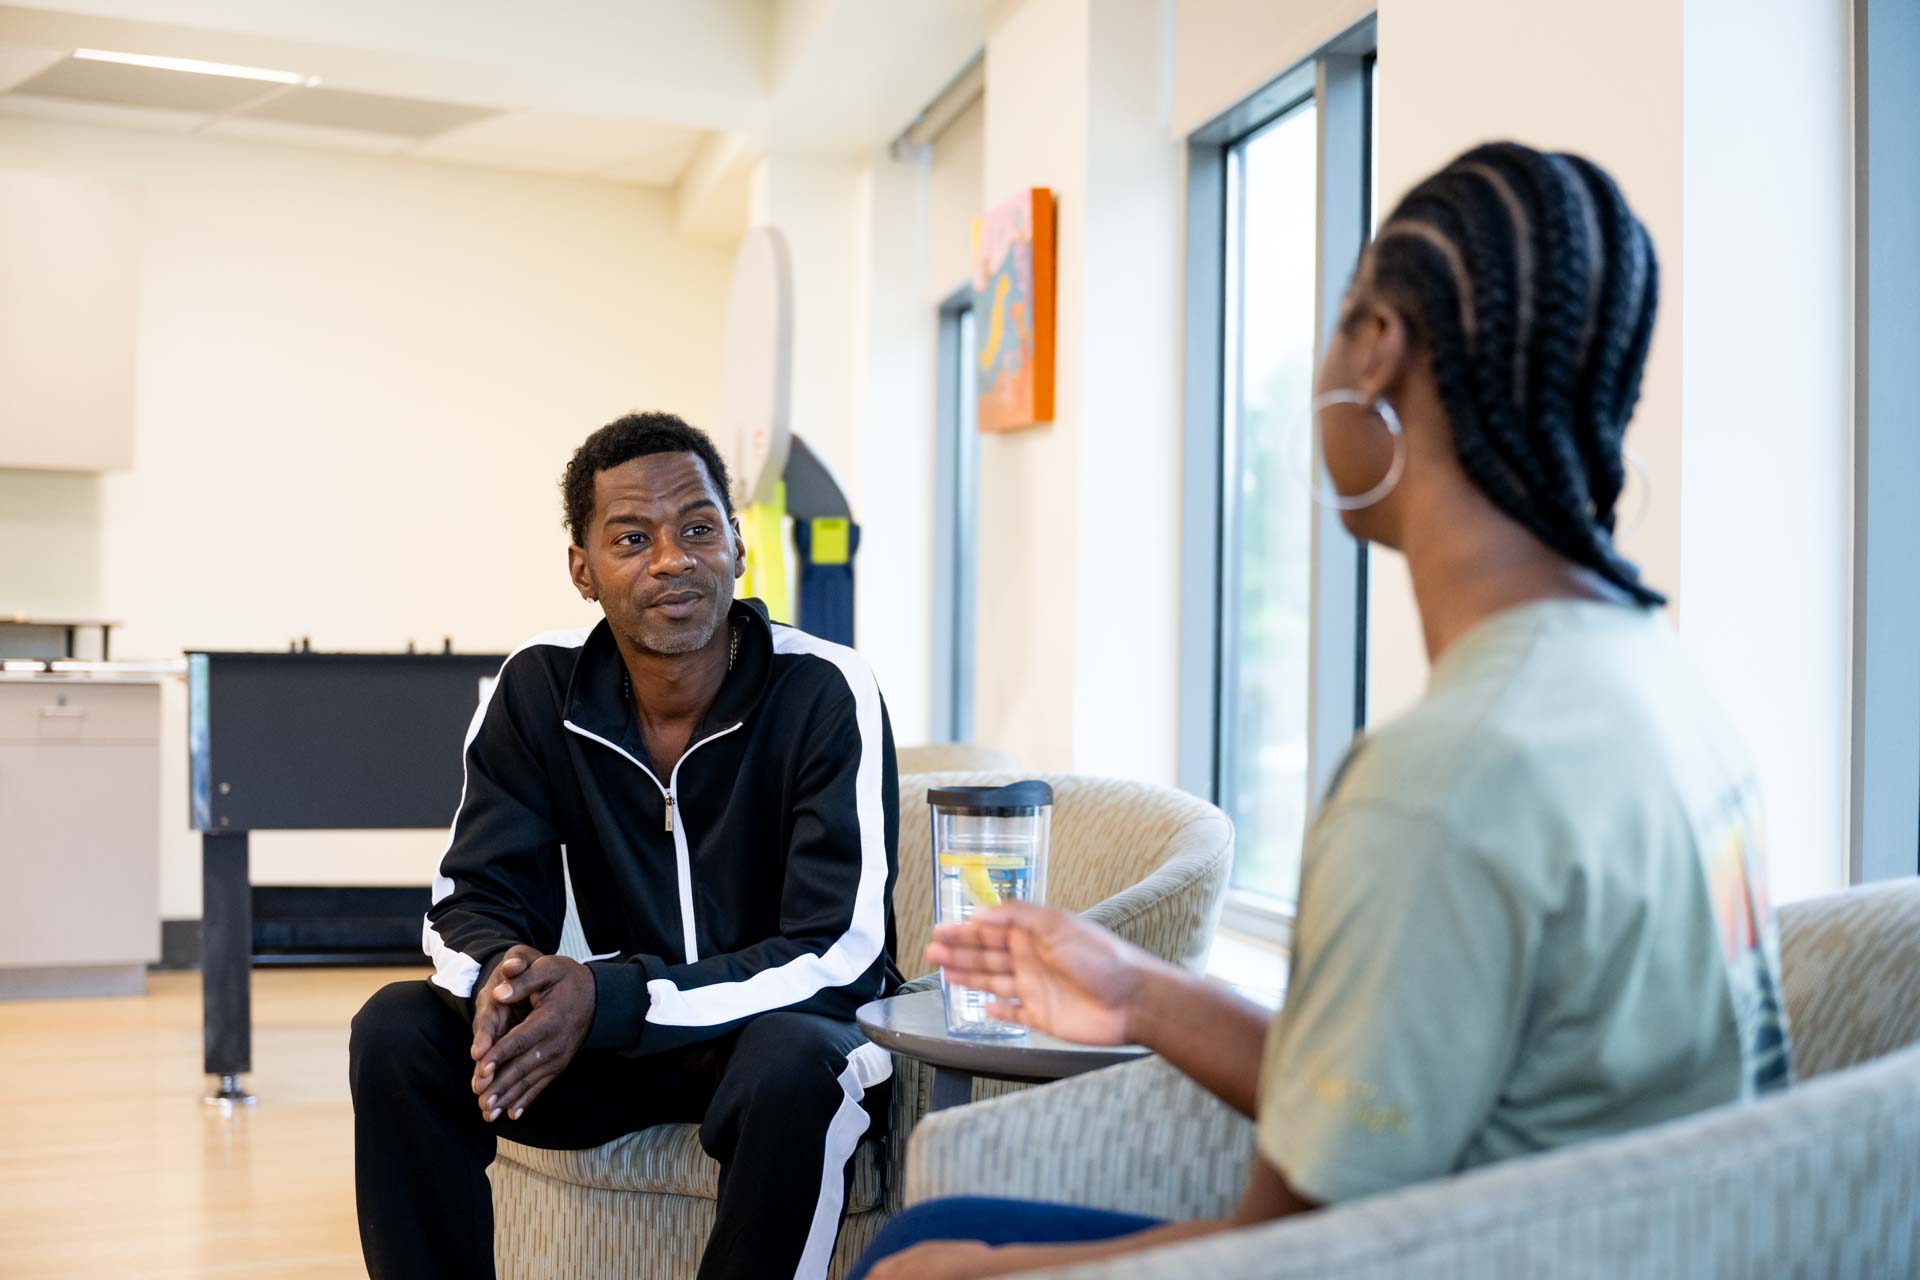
711, 800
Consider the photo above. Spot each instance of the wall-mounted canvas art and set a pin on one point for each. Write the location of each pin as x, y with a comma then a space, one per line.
1013, 311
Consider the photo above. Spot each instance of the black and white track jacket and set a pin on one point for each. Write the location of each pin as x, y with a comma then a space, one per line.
756, 875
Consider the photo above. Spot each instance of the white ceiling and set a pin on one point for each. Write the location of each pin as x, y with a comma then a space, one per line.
677, 94
48, 84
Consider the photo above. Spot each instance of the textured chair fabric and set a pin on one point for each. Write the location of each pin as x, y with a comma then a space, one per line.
954, 757
1850, 968
1148, 862
548, 1228
1138, 1138
1821, 1181
667, 1158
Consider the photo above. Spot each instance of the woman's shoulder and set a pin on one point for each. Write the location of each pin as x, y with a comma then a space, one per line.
1536, 728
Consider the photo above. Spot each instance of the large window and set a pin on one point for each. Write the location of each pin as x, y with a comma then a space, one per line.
1266, 512
956, 489
1272, 688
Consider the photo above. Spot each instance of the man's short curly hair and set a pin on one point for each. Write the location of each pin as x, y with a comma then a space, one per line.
638, 435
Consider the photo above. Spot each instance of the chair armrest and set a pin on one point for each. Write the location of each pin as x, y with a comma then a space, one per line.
1139, 1138
1823, 1179
1174, 911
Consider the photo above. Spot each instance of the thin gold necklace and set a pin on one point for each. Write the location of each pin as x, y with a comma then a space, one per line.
733, 655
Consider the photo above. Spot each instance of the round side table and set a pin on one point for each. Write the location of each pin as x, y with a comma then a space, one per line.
915, 1025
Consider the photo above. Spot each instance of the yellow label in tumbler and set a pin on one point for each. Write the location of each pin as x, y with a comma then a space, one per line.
976, 872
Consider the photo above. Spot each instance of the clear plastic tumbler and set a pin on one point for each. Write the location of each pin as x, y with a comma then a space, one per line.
989, 846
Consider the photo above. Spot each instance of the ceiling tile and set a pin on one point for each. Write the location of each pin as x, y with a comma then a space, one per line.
564, 142
367, 112
129, 86
49, 84
308, 135
148, 119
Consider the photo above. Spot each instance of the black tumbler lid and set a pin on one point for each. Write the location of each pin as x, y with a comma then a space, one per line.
1016, 799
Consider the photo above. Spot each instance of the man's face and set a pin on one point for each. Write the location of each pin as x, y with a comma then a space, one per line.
661, 553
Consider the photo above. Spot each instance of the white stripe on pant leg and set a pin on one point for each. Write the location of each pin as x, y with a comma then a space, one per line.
867, 1065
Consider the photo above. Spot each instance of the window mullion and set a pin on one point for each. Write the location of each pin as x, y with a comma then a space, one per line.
1335, 643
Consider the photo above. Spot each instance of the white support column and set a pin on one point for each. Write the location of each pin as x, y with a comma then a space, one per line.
893, 616
1766, 449
1077, 625
1126, 605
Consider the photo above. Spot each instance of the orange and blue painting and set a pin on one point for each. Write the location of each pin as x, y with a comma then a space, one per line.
1013, 311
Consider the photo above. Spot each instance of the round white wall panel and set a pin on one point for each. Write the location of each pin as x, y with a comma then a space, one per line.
756, 366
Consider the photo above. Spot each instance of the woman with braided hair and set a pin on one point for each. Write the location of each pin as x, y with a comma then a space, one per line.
1495, 333
1533, 909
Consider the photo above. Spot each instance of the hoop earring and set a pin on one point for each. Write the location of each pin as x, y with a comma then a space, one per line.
1331, 497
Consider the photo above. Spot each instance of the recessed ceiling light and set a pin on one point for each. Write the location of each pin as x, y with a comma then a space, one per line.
197, 67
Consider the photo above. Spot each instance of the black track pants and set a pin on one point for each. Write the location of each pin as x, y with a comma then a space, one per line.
780, 1104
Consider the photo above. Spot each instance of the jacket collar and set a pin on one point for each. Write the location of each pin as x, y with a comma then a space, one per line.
596, 698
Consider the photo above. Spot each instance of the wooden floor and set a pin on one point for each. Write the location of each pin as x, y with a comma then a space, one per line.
110, 1165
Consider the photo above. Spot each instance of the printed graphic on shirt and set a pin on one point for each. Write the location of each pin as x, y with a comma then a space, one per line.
1359, 1104
1743, 916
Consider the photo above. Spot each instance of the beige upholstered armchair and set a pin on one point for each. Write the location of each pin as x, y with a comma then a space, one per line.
955, 757
1148, 862
1823, 1180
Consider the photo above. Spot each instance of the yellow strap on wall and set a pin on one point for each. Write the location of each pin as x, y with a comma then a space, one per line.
830, 536
764, 525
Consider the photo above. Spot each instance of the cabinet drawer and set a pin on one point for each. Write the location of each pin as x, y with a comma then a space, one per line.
80, 843
70, 711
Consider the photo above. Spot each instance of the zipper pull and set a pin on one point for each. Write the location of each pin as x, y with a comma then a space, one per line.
669, 799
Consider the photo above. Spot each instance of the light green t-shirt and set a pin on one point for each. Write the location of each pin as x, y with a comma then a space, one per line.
1533, 911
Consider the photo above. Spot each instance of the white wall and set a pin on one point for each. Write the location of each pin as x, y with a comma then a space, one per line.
898, 335
1127, 650
955, 198
1226, 49
1036, 121
50, 544
1604, 81
1766, 456
1072, 669
359, 380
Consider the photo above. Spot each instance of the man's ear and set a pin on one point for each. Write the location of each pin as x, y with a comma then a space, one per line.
577, 570
739, 548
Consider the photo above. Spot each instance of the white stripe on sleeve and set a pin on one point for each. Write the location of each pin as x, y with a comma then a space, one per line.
454, 970
856, 949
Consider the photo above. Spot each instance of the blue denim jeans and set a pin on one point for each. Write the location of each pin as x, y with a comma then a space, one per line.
997, 1222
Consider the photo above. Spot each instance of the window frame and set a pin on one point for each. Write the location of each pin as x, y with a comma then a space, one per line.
1884, 786
956, 497
1338, 79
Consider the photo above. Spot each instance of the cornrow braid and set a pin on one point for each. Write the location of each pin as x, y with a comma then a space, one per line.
1534, 289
